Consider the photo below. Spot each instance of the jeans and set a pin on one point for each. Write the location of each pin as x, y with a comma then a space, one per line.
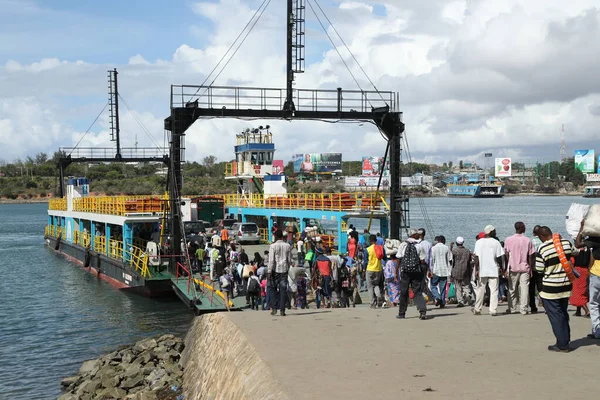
414, 281
438, 288
301, 256
518, 288
375, 287
481, 283
556, 310
264, 302
280, 284
594, 304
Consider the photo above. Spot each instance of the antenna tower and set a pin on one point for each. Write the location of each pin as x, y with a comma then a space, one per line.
563, 145
113, 101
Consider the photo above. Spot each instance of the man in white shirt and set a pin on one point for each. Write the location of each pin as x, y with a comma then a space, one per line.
488, 259
441, 259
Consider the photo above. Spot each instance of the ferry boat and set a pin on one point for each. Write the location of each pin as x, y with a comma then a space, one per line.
474, 185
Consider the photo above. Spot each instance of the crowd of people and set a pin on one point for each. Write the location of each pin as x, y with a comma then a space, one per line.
518, 271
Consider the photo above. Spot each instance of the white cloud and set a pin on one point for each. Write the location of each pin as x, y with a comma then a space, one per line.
472, 76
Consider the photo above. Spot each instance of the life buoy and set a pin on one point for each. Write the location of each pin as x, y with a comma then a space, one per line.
566, 264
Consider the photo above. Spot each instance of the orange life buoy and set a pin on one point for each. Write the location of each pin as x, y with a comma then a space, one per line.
566, 264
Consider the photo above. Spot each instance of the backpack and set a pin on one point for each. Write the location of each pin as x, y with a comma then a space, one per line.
253, 286
379, 251
410, 263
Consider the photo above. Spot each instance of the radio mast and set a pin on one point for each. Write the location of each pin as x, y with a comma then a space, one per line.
563, 145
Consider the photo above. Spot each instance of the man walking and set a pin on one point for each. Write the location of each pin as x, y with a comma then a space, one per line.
535, 282
280, 259
556, 288
323, 273
412, 260
488, 260
461, 272
518, 249
441, 259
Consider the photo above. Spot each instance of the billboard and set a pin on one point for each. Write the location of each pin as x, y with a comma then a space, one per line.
584, 161
503, 167
311, 163
277, 167
365, 182
372, 166
598, 165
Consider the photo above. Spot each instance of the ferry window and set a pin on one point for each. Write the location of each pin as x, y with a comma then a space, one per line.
269, 158
253, 159
261, 158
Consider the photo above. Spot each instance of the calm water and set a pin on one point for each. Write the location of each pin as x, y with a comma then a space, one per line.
55, 315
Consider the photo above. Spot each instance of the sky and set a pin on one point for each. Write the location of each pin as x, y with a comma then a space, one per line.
473, 76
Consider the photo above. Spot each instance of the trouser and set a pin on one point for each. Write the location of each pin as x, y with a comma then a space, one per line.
518, 288
245, 288
481, 283
556, 310
438, 288
414, 281
463, 291
264, 302
253, 300
535, 282
301, 256
280, 284
502, 287
594, 304
374, 280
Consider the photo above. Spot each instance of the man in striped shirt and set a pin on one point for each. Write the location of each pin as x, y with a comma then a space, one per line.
556, 288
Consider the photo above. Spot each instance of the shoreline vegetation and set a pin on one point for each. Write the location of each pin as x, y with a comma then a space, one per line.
35, 180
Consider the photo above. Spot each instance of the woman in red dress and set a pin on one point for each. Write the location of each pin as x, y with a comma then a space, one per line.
352, 244
580, 296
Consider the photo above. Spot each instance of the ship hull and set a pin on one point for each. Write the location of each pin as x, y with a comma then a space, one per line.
109, 270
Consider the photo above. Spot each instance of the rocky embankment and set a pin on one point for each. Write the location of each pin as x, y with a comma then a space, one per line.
151, 369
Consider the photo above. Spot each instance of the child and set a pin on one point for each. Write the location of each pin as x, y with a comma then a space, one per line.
263, 293
301, 294
253, 290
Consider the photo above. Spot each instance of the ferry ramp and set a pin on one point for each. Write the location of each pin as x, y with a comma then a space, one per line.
369, 354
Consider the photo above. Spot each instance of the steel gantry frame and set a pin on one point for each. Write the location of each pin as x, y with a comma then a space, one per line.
190, 103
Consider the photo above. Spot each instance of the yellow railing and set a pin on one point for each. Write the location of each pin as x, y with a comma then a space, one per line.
264, 235
120, 205
135, 256
57, 205
100, 244
308, 201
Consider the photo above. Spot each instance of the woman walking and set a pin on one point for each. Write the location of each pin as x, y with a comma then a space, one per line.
392, 278
580, 295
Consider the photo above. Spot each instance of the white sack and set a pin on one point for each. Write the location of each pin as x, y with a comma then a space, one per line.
576, 213
592, 221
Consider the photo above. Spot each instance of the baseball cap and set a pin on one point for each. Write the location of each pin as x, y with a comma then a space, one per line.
460, 240
481, 235
489, 229
412, 232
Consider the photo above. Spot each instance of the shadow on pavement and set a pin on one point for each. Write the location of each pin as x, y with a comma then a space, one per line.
583, 342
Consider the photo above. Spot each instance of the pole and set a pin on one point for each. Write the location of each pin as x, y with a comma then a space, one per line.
396, 198
387, 148
289, 98
118, 155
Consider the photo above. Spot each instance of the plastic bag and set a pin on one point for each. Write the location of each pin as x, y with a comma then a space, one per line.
592, 222
452, 291
576, 213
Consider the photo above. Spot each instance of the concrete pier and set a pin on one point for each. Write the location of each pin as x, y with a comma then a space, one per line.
368, 354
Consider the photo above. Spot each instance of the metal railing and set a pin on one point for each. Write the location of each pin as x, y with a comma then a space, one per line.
120, 205
57, 205
110, 152
308, 201
133, 256
245, 98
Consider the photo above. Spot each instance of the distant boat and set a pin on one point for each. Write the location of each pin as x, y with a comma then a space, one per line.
591, 191
473, 185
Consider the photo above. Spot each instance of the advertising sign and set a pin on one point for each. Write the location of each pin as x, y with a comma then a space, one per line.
372, 166
503, 167
311, 163
584, 161
365, 182
598, 165
277, 167
592, 178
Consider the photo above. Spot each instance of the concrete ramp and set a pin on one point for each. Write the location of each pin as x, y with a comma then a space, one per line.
368, 354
